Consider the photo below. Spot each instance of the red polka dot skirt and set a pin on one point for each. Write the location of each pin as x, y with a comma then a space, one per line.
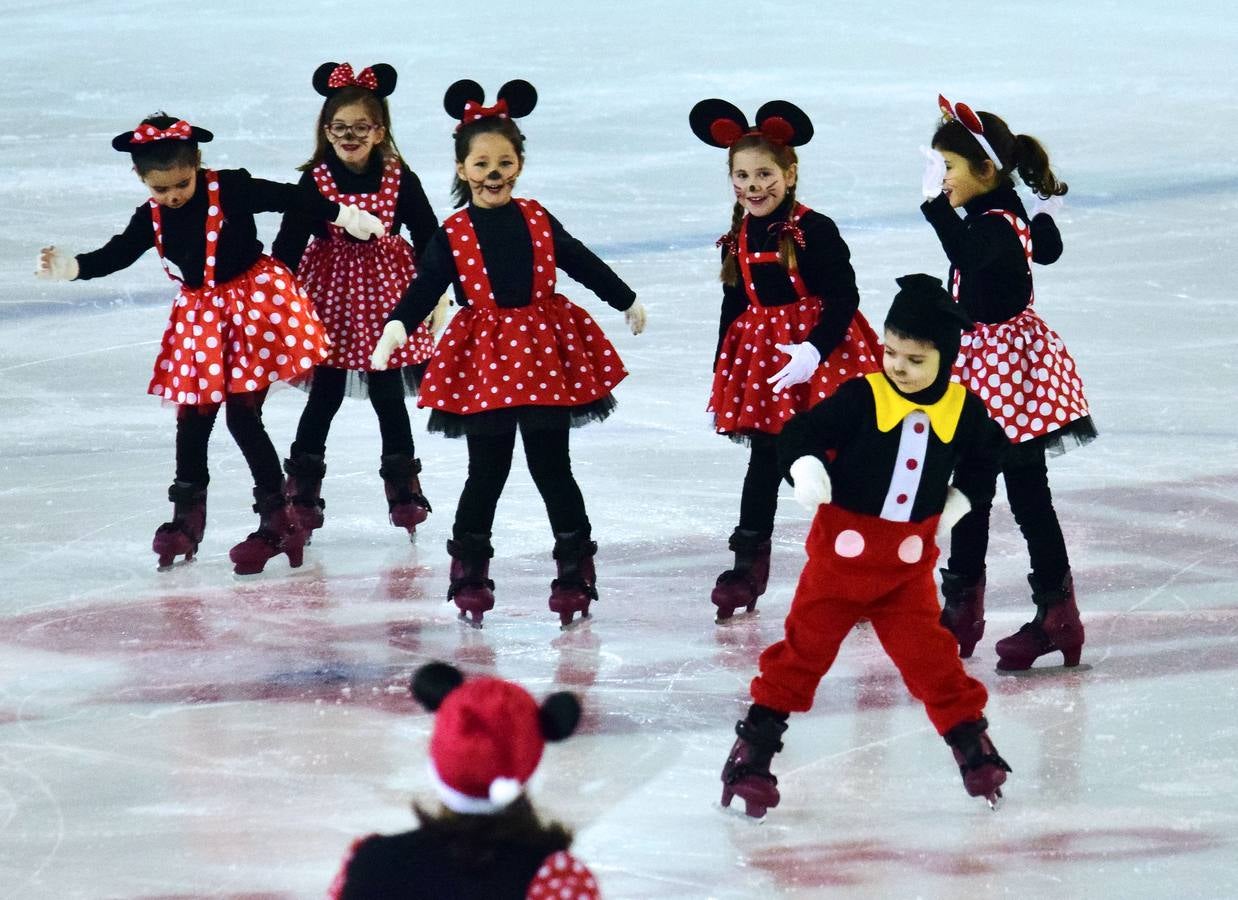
356, 284
563, 877
549, 353
1020, 368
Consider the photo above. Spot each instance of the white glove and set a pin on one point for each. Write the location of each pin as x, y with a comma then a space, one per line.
957, 505
438, 315
394, 335
804, 361
812, 482
53, 265
634, 315
359, 223
1050, 206
934, 172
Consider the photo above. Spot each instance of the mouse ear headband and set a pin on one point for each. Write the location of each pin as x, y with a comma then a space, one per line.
720, 124
145, 135
331, 77
464, 101
963, 114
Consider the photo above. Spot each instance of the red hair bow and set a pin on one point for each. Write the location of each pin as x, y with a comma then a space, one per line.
342, 76
177, 131
790, 230
474, 111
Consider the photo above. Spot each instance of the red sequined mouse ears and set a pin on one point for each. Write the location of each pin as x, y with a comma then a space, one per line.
963, 114
720, 124
332, 76
463, 101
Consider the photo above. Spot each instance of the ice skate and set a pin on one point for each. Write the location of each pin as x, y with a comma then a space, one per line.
740, 586
746, 773
181, 536
277, 533
576, 586
303, 488
471, 588
1056, 628
407, 506
983, 770
963, 612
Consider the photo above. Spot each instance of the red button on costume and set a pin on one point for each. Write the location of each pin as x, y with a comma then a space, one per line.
237, 337
549, 353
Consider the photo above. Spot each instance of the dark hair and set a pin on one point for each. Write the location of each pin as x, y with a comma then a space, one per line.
1018, 152
473, 839
375, 107
160, 155
460, 192
784, 155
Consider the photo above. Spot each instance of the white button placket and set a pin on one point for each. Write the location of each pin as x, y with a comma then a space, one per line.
908, 467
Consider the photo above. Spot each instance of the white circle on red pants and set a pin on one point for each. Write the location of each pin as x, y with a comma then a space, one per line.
849, 544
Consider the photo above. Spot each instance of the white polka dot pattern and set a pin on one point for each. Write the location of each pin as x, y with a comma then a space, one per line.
563, 877
1020, 368
549, 353
355, 285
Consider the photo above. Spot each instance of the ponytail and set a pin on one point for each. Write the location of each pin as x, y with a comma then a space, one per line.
1032, 163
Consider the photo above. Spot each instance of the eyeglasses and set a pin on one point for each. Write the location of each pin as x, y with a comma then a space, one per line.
356, 129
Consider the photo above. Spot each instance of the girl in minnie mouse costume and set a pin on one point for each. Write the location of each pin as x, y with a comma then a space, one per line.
1018, 366
355, 285
517, 356
488, 842
788, 289
239, 324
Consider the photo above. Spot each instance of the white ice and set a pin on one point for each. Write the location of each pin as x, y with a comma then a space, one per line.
191, 734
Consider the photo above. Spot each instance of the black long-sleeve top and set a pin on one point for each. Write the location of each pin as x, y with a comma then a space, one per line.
184, 229
412, 209
995, 283
824, 263
507, 248
861, 469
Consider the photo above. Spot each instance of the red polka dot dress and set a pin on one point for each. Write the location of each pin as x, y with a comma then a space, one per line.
550, 353
356, 284
1020, 368
741, 399
563, 877
237, 337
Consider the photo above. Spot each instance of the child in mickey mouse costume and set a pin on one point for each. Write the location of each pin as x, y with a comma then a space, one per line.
355, 285
1013, 361
788, 290
518, 356
488, 842
875, 462
239, 324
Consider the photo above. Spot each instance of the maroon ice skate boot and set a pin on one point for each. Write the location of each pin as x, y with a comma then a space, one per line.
406, 504
742, 585
471, 587
277, 533
963, 612
1055, 628
181, 536
302, 488
983, 771
576, 586
746, 772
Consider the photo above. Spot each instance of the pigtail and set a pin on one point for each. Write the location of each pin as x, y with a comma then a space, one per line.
786, 244
1032, 163
730, 241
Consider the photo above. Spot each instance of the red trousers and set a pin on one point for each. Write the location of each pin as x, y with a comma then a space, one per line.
864, 567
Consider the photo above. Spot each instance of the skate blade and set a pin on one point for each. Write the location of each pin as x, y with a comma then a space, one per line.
994, 799
738, 616
1045, 671
175, 564
464, 619
575, 624
738, 810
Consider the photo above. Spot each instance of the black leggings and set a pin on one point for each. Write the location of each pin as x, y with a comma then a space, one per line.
490, 460
1027, 491
386, 389
244, 418
759, 501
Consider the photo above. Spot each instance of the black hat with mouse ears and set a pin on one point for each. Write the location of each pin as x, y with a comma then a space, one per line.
159, 128
332, 76
463, 101
720, 124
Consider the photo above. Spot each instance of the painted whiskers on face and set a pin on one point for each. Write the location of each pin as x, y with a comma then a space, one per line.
760, 184
490, 169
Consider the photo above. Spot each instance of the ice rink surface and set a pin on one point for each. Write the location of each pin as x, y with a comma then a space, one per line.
192, 734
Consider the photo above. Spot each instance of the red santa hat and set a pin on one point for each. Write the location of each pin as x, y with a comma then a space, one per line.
488, 737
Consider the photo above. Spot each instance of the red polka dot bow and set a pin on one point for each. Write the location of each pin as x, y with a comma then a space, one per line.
177, 131
474, 111
789, 230
342, 76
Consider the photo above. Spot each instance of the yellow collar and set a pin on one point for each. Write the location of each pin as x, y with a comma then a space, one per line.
892, 407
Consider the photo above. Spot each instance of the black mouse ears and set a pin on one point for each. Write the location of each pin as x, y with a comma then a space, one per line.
463, 101
720, 124
331, 76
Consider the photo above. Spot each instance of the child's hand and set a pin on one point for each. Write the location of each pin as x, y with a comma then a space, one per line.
438, 315
635, 316
957, 506
812, 482
934, 172
1049, 206
804, 361
394, 335
359, 223
53, 265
